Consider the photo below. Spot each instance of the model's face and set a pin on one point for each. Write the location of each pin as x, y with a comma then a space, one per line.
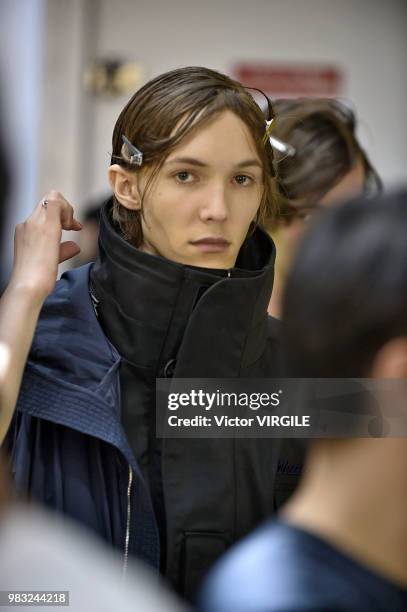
199, 208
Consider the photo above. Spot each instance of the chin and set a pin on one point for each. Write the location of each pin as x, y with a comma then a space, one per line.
207, 261
213, 262
217, 261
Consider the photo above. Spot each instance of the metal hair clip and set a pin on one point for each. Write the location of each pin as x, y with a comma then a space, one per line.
136, 156
276, 143
281, 146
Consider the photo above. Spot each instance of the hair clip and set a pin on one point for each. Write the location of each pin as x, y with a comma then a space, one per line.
267, 130
276, 143
136, 156
282, 147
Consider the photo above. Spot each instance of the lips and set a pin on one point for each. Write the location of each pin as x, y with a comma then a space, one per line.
211, 245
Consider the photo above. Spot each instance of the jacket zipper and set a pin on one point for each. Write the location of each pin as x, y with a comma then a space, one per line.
127, 538
95, 304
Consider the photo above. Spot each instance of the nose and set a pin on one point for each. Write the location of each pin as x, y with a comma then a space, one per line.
214, 207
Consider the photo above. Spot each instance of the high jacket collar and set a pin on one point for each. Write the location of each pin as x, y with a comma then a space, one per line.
155, 310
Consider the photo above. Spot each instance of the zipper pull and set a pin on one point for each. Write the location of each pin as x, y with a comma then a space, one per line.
128, 521
94, 300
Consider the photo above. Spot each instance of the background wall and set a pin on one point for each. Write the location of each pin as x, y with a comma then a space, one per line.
22, 30
366, 39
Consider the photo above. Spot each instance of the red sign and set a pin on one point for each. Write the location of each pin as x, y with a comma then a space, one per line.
285, 80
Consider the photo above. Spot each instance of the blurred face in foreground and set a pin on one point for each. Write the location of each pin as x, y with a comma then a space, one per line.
199, 207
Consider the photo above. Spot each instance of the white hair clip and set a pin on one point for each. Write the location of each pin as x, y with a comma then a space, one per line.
135, 155
276, 143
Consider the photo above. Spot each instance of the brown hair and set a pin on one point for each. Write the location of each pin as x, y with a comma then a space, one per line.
169, 107
322, 132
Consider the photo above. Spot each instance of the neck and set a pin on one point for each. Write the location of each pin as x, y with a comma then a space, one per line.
153, 309
354, 495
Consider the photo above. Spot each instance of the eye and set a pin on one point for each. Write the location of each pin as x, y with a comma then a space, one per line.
184, 177
243, 179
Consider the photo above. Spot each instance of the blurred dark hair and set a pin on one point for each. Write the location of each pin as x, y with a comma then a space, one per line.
322, 132
346, 294
169, 107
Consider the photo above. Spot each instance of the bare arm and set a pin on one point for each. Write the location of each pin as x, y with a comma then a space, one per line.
37, 253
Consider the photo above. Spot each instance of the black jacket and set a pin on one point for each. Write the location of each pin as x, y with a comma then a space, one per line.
160, 318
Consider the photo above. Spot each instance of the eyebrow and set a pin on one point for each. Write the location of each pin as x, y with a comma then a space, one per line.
196, 162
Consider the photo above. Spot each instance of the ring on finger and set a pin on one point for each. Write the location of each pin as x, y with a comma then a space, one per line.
45, 204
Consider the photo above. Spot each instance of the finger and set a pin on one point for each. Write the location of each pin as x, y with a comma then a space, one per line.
54, 194
68, 221
38, 210
49, 196
59, 207
67, 250
66, 215
76, 225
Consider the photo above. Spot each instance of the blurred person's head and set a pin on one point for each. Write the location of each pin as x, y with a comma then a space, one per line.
207, 173
327, 164
345, 301
323, 164
345, 316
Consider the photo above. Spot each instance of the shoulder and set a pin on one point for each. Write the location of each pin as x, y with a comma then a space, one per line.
242, 580
70, 296
276, 568
68, 332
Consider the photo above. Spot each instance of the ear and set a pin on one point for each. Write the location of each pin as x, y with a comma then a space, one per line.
125, 186
391, 360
